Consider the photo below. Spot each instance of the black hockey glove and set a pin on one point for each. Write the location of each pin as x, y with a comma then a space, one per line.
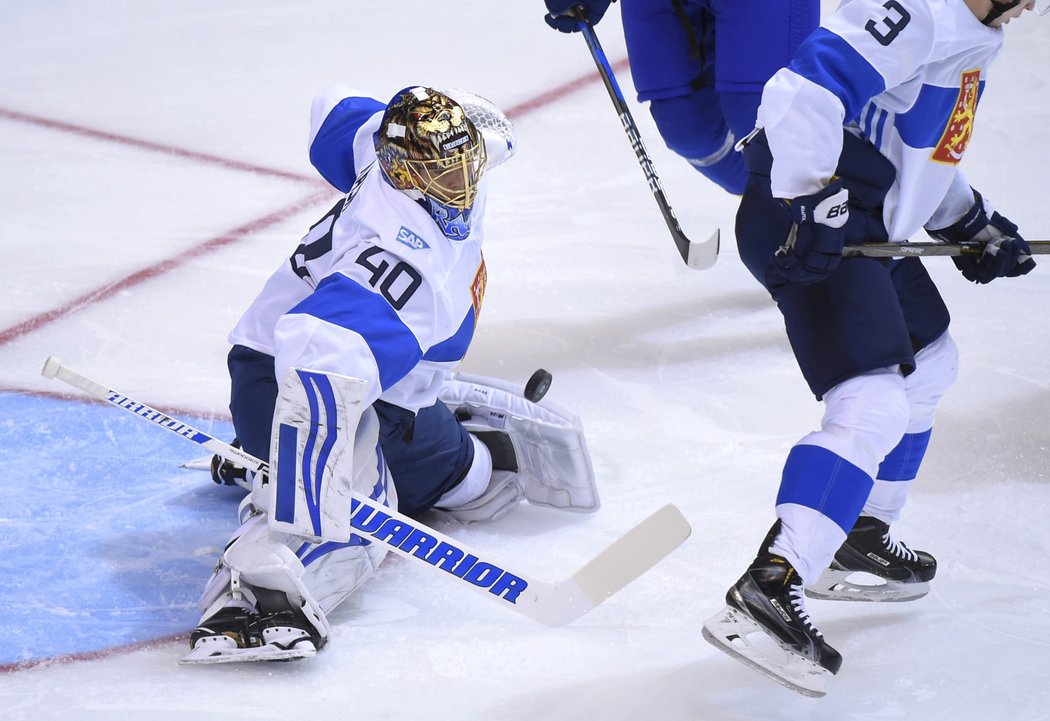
814, 246
561, 19
1005, 252
226, 473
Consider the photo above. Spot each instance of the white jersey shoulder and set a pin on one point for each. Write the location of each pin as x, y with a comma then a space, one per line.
908, 74
374, 290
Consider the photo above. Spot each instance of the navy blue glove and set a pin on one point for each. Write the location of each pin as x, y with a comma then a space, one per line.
1005, 252
814, 246
560, 19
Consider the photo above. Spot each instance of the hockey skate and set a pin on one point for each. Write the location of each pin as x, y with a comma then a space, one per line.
239, 633
765, 625
870, 553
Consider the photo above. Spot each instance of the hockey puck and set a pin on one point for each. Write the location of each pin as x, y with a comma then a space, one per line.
538, 385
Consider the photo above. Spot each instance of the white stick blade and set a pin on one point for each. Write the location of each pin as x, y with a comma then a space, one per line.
703, 255
633, 554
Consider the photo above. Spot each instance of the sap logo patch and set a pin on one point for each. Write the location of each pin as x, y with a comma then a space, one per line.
407, 237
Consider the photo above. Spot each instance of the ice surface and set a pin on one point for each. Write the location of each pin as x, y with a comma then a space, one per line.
683, 379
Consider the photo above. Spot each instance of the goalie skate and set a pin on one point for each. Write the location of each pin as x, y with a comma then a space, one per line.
872, 566
765, 626
235, 635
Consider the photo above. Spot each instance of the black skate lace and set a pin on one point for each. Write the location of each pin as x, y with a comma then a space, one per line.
898, 549
798, 603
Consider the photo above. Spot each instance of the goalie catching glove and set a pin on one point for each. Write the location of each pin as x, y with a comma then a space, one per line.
538, 452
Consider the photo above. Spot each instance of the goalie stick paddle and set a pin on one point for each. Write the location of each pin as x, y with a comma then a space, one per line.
696, 255
905, 250
551, 603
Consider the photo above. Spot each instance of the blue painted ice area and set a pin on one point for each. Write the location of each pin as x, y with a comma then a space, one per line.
104, 539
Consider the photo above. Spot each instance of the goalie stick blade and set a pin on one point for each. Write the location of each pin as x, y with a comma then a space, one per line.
627, 558
633, 554
738, 636
701, 256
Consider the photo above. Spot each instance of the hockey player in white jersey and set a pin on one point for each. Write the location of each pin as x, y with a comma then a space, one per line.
341, 378
859, 140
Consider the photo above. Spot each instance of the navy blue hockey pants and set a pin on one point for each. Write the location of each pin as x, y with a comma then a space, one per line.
870, 313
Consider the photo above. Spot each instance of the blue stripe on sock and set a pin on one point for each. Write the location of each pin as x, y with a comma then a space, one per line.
829, 484
902, 463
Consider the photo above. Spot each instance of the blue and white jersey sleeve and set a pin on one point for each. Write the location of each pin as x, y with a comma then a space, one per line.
344, 327
342, 122
955, 204
905, 74
856, 55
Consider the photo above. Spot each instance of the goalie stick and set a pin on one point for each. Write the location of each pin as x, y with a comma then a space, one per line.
926, 249
551, 603
696, 255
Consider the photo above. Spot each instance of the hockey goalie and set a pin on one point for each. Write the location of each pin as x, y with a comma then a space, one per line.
341, 375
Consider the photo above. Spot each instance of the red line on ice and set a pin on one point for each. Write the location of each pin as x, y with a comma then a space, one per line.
161, 267
149, 145
91, 655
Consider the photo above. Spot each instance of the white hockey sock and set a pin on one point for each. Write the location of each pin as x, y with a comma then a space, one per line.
474, 483
886, 500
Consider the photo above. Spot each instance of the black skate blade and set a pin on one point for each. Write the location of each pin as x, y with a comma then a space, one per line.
728, 631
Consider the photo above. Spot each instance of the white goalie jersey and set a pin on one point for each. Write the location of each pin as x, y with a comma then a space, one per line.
375, 291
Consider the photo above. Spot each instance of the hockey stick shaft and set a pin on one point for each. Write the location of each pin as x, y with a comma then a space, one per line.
554, 604
906, 250
695, 255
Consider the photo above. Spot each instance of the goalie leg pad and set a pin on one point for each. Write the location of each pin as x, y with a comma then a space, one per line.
318, 453
550, 454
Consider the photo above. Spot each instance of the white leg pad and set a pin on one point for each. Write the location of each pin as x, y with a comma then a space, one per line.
312, 454
554, 464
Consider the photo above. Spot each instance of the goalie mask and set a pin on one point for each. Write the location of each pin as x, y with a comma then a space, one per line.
430, 150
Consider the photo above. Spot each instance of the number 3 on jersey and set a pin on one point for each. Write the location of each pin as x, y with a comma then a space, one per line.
893, 25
